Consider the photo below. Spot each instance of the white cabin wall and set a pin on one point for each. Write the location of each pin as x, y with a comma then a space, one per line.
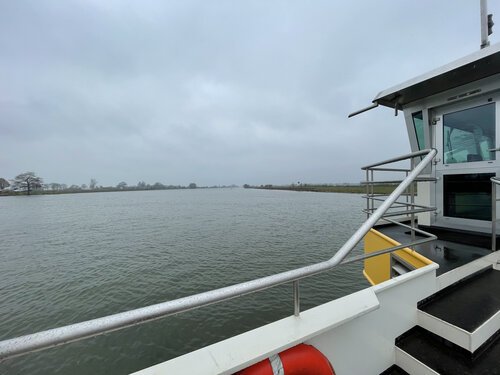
356, 332
424, 198
366, 345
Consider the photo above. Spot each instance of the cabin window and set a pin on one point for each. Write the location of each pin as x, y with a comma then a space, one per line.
467, 196
469, 134
418, 124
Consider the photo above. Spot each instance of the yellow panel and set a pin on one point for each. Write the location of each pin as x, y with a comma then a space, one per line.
368, 278
378, 269
413, 258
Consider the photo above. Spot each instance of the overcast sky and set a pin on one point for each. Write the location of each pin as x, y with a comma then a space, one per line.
214, 92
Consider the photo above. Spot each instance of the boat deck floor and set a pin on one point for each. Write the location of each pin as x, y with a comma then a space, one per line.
448, 254
471, 304
446, 359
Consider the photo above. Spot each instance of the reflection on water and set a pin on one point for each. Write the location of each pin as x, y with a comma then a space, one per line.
69, 258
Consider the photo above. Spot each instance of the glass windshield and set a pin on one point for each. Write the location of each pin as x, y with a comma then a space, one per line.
418, 123
469, 134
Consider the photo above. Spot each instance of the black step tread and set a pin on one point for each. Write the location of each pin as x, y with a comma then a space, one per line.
448, 359
468, 304
394, 370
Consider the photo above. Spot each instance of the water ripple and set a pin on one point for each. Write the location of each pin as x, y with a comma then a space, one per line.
69, 258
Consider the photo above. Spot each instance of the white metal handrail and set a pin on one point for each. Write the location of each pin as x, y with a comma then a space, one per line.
74, 332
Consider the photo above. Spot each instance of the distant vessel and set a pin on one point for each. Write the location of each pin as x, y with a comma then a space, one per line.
430, 255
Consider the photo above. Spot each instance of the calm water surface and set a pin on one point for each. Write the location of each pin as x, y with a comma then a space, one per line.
68, 258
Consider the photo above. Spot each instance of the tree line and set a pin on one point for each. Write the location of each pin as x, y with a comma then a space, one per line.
29, 183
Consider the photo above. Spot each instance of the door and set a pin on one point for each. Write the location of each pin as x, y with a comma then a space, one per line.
466, 137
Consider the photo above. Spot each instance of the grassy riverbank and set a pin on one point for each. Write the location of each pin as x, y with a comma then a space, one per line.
105, 190
353, 189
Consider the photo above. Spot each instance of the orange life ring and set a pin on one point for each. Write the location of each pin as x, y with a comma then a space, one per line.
300, 360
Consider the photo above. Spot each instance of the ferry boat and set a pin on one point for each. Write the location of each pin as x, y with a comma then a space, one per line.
430, 255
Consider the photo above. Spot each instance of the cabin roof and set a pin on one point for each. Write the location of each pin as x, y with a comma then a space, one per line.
473, 67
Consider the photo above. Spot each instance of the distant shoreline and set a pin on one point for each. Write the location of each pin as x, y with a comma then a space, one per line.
101, 190
349, 189
352, 189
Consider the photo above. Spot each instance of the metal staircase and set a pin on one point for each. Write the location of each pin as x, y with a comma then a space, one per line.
458, 330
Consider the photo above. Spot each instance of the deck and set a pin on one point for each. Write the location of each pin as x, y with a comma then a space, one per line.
451, 253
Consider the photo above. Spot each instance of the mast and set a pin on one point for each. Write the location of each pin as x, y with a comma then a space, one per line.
486, 24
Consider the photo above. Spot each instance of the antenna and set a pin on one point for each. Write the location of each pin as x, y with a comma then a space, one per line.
486, 24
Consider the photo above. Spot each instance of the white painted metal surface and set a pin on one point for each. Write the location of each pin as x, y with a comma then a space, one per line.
485, 331
241, 351
459, 273
423, 198
364, 324
439, 71
412, 365
444, 329
470, 341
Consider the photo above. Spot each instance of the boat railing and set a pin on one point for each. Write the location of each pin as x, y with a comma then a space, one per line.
78, 331
494, 183
404, 209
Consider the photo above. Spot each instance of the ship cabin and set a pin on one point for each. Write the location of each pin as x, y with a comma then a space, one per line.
453, 110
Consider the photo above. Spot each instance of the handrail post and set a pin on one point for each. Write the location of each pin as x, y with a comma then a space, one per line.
406, 195
372, 191
367, 194
296, 298
412, 201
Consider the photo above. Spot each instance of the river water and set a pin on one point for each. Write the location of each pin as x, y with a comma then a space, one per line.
69, 258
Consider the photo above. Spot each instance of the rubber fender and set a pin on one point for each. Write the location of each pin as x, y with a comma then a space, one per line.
299, 360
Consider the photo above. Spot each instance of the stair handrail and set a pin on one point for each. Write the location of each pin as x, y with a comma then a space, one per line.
94, 327
410, 155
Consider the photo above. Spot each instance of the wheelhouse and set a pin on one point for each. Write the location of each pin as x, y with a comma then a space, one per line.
454, 110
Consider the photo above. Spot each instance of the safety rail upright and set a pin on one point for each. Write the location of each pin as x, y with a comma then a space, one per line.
78, 331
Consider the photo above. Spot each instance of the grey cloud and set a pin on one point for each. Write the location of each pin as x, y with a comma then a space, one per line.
217, 92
